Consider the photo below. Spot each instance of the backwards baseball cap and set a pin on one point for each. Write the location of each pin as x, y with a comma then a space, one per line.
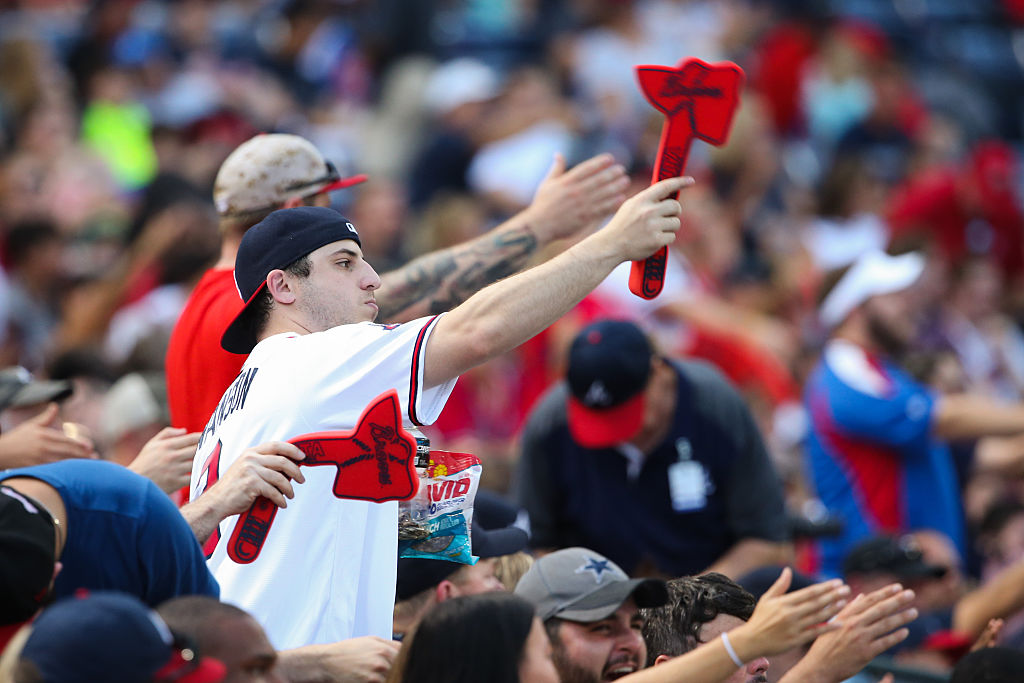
267, 170
900, 556
609, 364
27, 549
280, 239
873, 274
578, 584
416, 574
18, 389
113, 637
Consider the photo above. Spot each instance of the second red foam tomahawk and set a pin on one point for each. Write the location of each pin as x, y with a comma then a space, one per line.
698, 100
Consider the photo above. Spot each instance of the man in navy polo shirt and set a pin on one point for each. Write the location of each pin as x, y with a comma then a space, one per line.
656, 463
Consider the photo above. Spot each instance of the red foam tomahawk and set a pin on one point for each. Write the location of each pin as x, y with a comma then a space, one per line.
376, 461
698, 100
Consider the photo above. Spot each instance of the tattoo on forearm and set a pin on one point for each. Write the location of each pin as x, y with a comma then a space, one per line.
441, 280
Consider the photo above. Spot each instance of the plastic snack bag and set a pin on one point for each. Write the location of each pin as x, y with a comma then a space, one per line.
435, 523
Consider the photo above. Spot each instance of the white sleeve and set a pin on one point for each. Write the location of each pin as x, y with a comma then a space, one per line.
348, 366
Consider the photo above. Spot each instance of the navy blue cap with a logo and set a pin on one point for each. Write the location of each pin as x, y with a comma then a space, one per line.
609, 365
277, 241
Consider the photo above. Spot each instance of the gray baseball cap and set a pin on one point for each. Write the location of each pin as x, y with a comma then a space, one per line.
267, 170
578, 584
18, 389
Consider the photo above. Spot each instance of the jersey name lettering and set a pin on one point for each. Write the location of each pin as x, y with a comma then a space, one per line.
233, 399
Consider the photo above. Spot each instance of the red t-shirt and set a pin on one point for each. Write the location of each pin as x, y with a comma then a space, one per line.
198, 369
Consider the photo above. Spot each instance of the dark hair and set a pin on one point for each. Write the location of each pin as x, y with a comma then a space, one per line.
256, 315
989, 665
693, 601
489, 630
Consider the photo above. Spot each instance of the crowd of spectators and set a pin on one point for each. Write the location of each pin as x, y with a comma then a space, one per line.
847, 280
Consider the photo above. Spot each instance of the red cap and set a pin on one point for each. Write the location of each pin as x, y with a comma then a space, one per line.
593, 428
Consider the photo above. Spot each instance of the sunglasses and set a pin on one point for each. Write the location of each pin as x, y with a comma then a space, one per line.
332, 176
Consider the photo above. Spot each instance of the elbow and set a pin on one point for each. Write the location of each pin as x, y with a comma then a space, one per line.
481, 343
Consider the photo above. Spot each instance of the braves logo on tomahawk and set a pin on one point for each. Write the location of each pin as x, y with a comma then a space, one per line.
374, 462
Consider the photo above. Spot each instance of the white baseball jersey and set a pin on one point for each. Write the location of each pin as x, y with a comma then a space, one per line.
327, 568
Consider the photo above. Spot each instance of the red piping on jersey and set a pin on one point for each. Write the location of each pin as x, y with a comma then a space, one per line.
874, 472
413, 379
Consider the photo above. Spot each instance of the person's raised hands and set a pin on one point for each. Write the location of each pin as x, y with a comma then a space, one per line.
782, 621
868, 626
569, 203
166, 459
43, 439
646, 222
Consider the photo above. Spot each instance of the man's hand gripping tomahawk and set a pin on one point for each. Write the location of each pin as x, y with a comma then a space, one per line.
698, 100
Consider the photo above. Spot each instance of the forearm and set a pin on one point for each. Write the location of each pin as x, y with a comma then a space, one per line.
709, 663
507, 313
302, 665
809, 672
441, 280
1001, 455
751, 553
970, 416
999, 597
203, 516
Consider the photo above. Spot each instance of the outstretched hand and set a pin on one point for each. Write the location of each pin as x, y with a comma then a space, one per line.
868, 626
571, 203
646, 222
43, 439
166, 459
782, 621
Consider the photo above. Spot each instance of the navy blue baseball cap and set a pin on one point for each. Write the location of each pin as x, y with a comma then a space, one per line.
492, 535
609, 365
113, 637
277, 241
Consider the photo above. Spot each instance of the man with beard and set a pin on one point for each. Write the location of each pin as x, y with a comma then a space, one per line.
877, 444
591, 611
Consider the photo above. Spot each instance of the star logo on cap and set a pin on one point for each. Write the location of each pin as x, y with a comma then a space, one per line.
597, 394
595, 566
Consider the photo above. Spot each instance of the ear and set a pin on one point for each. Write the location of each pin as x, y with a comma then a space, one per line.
292, 202
279, 287
661, 659
446, 590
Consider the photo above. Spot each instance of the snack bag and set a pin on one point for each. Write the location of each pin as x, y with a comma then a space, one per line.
436, 522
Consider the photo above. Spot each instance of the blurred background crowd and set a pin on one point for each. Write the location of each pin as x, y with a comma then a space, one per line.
864, 124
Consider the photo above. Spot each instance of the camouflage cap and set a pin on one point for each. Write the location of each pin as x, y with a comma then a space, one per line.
267, 170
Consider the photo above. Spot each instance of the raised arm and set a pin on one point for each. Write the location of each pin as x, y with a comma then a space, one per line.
507, 313
970, 416
566, 204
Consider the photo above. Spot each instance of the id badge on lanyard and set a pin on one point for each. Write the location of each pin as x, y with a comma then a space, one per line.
687, 480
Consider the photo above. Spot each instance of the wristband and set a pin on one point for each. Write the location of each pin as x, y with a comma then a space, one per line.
732, 653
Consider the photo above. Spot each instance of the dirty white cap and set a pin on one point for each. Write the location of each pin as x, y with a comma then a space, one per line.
873, 274
267, 170
133, 402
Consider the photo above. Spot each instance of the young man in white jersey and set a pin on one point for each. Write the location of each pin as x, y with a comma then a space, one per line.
326, 565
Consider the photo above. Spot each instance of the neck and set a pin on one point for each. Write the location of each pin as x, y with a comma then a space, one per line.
856, 333
228, 251
656, 430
